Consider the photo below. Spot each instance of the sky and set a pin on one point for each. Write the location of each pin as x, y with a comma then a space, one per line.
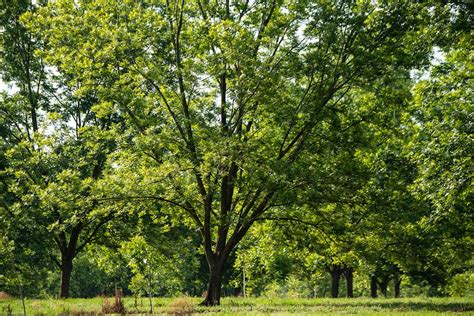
9, 88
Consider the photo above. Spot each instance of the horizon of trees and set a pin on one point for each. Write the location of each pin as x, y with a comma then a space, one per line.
256, 148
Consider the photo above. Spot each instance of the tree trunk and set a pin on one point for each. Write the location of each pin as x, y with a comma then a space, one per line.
22, 296
373, 286
213, 295
68, 252
349, 276
383, 286
335, 272
244, 294
66, 271
149, 291
396, 286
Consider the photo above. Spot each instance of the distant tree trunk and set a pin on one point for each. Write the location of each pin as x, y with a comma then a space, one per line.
373, 286
383, 286
22, 297
335, 270
244, 294
66, 271
349, 276
237, 291
396, 286
23, 304
149, 290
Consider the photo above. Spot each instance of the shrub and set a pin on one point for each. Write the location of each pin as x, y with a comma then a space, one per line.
7, 310
462, 285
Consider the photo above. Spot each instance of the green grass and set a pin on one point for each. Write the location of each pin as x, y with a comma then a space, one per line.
255, 306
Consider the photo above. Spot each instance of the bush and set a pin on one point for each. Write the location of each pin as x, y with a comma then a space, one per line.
291, 287
461, 285
274, 290
297, 288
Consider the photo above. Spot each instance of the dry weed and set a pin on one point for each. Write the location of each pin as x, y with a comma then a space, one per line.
182, 306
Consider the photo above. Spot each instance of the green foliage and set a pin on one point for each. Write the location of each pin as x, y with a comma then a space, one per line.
88, 280
462, 285
149, 265
291, 287
277, 139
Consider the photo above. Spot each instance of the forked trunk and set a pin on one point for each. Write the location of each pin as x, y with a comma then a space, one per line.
349, 276
213, 295
68, 252
66, 271
384, 285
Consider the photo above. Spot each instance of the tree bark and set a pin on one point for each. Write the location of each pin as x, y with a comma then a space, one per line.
22, 296
396, 286
383, 286
66, 271
149, 290
349, 276
213, 295
335, 272
224, 247
373, 286
244, 294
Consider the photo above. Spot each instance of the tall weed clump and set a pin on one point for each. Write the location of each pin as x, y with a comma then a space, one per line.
182, 306
117, 307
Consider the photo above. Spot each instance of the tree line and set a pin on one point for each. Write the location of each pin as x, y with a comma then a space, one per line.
206, 143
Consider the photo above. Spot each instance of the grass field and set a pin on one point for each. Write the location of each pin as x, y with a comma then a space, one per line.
250, 306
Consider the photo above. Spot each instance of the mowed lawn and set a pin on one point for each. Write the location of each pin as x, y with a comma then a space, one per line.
249, 306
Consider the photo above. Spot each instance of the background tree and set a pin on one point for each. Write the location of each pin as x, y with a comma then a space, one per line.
440, 142
55, 149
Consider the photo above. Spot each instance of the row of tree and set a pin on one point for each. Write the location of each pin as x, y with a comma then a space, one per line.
218, 137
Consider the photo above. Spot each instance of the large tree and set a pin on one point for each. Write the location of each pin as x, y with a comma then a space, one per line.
439, 142
223, 99
54, 151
